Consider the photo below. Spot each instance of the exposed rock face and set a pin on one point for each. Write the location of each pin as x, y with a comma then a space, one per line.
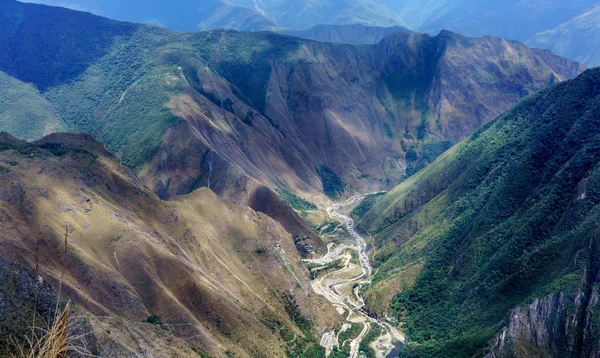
539, 325
557, 325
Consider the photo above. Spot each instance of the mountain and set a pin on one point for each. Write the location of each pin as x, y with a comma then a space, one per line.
513, 19
244, 15
350, 34
303, 14
180, 15
212, 274
576, 39
25, 112
493, 248
228, 110
568, 28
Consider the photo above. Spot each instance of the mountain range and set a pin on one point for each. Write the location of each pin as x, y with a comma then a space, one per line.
567, 28
211, 108
576, 38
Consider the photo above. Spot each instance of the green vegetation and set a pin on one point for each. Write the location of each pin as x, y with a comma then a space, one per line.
306, 345
295, 201
24, 112
245, 61
344, 339
333, 185
199, 353
365, 206
315, 271
506, 217
154, 319
365, 345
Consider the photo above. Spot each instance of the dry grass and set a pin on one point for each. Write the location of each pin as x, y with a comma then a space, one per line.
57, 339
53, 342
169, 258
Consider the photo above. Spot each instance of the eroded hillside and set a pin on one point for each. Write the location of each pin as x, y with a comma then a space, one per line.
212, 271
225, 108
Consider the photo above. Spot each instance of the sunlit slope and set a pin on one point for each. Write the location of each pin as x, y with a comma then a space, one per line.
301, 115
211, 270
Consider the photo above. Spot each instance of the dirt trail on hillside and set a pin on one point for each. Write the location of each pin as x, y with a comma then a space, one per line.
330, 286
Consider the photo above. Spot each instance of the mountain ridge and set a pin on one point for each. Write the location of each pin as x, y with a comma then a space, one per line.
501, 227
263, 104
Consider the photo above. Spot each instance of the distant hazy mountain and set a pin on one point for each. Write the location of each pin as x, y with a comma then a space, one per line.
181, 15
349, 34
513, 19
246, 15
303, 14
578, 39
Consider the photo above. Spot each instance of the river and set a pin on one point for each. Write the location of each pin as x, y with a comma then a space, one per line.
389, 344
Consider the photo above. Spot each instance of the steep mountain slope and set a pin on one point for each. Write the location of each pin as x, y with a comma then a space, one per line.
181, 15
349, 34
25, 112
500, 231
577, 39
213, 271
224, 109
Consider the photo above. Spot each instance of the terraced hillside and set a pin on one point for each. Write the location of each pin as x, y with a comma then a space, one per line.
493, 247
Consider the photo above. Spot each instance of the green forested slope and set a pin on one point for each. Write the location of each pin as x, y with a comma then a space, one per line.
25, 112
506, 217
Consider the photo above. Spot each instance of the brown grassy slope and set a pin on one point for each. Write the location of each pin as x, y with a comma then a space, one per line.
204, 265
186, 163
373, 114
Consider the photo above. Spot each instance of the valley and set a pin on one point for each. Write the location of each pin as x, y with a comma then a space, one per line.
196, 194
351, 306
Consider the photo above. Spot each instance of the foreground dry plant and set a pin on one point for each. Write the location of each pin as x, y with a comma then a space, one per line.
57, 339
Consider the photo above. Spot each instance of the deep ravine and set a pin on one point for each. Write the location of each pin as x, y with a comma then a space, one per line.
330, 286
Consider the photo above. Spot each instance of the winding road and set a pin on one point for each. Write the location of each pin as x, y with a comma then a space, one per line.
386, 343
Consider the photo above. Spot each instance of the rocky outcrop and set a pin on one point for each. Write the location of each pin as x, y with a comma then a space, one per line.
558, 325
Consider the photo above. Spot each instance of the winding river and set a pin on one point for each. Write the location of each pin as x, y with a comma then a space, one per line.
391, 341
